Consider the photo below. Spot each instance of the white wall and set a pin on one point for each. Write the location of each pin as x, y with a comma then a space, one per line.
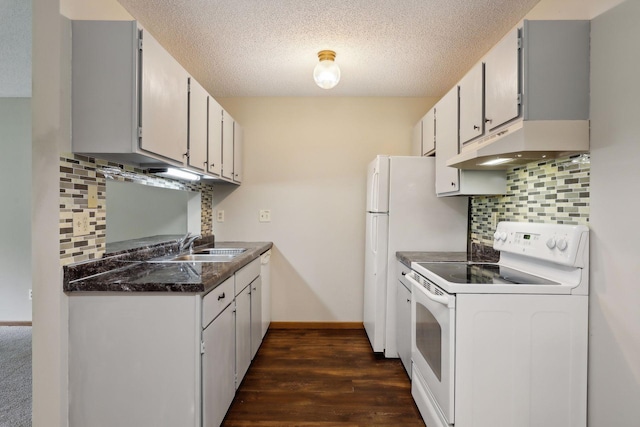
15, 221
305, 159
51, 136
15, 157
15, 48
614, 347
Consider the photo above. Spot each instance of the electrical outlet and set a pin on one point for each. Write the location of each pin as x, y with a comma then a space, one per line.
92, 190
80, 224
220, 216
265, 215
30, 294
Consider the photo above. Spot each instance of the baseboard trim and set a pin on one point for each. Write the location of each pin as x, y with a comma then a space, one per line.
316, 325
15, 323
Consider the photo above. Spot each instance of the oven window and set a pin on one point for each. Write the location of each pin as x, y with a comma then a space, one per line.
429, 339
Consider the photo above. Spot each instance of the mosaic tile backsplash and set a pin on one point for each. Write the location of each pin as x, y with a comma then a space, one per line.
77, 173
555, 191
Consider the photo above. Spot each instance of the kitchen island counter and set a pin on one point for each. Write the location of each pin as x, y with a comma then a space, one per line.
138, 271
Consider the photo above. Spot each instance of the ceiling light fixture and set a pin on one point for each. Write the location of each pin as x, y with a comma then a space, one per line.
327, 73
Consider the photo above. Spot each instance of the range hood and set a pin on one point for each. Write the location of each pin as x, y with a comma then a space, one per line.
523, 142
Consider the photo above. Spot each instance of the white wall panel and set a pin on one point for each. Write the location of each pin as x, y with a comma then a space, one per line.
614, 346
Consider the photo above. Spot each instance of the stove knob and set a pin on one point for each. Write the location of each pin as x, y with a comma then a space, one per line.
562, 244
503, 236
551, 243
496, 235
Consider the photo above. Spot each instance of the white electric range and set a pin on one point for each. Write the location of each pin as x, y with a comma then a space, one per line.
504, 344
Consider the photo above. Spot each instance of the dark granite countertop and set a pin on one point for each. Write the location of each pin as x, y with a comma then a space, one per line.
479, 253
408, 257
131, 271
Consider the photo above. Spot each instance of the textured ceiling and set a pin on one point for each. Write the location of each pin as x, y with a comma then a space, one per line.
384, 47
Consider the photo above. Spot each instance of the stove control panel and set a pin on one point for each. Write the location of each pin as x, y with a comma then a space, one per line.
558, 243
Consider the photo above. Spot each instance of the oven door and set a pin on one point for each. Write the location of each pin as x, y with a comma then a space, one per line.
433, 341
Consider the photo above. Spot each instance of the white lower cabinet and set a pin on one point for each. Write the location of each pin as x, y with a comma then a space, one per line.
218, 368
243, 334
403, 317
245, 279
256, 316
180, 357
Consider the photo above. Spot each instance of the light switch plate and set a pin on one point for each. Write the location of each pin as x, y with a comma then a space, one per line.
265, 215
220, 216
80, 224
93, 197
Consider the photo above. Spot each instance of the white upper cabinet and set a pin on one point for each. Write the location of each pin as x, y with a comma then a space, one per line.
227, 145
452, 181
198, 141
502, 90
447, 179
215, 138
133, 103
238, 143
429, 133
164, 102
471, 104
129, 96
536, 97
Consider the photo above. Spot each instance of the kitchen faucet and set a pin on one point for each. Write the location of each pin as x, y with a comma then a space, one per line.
187, 241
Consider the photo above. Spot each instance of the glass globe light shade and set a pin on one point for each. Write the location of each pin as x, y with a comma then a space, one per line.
326, 74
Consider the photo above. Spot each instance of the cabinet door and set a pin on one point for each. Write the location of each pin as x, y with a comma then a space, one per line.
429, 133
403, 325
238, 142
197, 125
416, 139
214, 160
164, 100
218, 368
447, 178
502, 82
227, 145
471, 104
243, 333
256, 316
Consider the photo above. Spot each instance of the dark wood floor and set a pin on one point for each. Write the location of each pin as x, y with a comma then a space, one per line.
322, 378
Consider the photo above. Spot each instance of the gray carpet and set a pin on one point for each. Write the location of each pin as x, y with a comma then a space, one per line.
15, 376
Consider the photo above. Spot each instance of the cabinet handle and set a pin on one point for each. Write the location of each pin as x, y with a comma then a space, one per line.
476, 127
453, 184
221, 296
404, 273
488, 120
409, 301
255, 289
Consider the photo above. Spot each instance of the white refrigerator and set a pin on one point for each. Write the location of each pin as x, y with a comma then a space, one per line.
403, 214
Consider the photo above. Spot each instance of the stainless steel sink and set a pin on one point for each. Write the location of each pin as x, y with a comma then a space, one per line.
202, 257
221, 251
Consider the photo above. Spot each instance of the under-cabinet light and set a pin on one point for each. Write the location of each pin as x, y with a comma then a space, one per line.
176, 173
494, 162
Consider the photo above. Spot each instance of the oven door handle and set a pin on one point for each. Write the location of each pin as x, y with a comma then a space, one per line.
437, 298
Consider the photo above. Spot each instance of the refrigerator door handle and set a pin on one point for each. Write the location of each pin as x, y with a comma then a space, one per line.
374, 241
374, 191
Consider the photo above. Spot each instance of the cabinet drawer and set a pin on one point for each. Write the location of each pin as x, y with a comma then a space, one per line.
247, 274
216, 300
